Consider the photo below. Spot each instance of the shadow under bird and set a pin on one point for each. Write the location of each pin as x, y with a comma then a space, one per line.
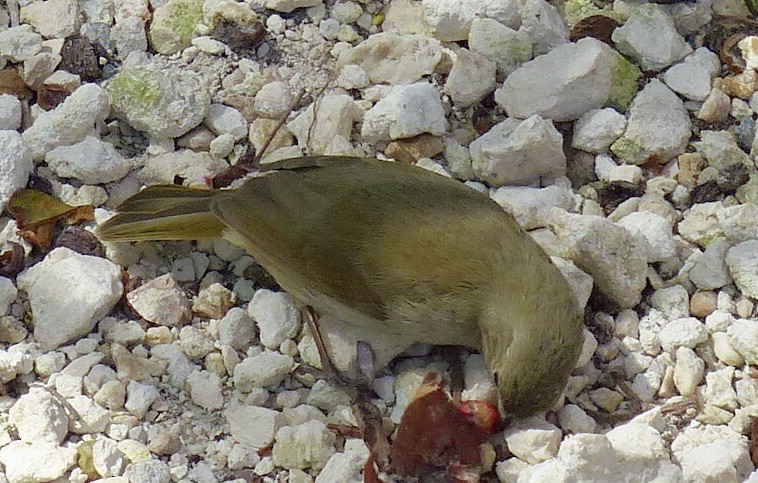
392, 247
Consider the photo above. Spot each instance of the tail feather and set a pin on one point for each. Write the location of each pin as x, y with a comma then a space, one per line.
164, 213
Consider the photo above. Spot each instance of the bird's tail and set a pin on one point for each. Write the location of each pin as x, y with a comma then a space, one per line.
164, 213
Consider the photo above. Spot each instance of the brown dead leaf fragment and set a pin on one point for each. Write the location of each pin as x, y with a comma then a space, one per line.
433, 435
36, 213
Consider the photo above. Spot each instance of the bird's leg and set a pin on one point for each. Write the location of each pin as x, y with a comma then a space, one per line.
310, 319
365, 355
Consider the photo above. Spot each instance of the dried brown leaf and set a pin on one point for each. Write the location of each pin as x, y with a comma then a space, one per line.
36, 213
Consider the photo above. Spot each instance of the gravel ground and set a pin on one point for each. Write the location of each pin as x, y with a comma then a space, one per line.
621, 136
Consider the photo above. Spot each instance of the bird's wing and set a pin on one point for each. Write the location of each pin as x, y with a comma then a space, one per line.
376, 236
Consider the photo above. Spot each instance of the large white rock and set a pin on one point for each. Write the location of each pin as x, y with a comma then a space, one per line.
597, 129
15, 165
450, 20
518, 152
163, 103
394, 59
406, 111
692, 78
68, 123
686, 332
69, 293
38, 417
650, 38
742, 260
253, 425
609, 253
19, 43
508, 48
10, 112
743, 337
688, 371
334, 117
656, 230
53, 19
266, 369
533, 440
658, 125
37, 461
277, 317
542, 23
709, 270
307, 445
580, 81
471, 78
91, 161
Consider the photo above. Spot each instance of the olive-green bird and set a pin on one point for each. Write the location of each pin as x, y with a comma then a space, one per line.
395, 248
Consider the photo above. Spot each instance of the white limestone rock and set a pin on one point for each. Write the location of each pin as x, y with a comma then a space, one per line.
252, 425
712, 453
36, 461
742, 260
15, 165
393, 59
542, 23
658, 125
673, 302
91, 161
19, 43
164, 104
10, 113
266, 369
597, 129
580, 82
638, 441
688, 371
700, 224
721, 150
650, 38
656, 230
236, 329
53, 19
471, 78
195, 167
205, 390
740, 222
68, 123
743, 337
450, 20
518, 152
692, 78
347, 465
69, 293
709, 269
39, 418
223, 119
334, 117
530, 205
161, 301
686, 331
506, 47
533, 440
609, 253
276, 315
406, 111
307, 445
